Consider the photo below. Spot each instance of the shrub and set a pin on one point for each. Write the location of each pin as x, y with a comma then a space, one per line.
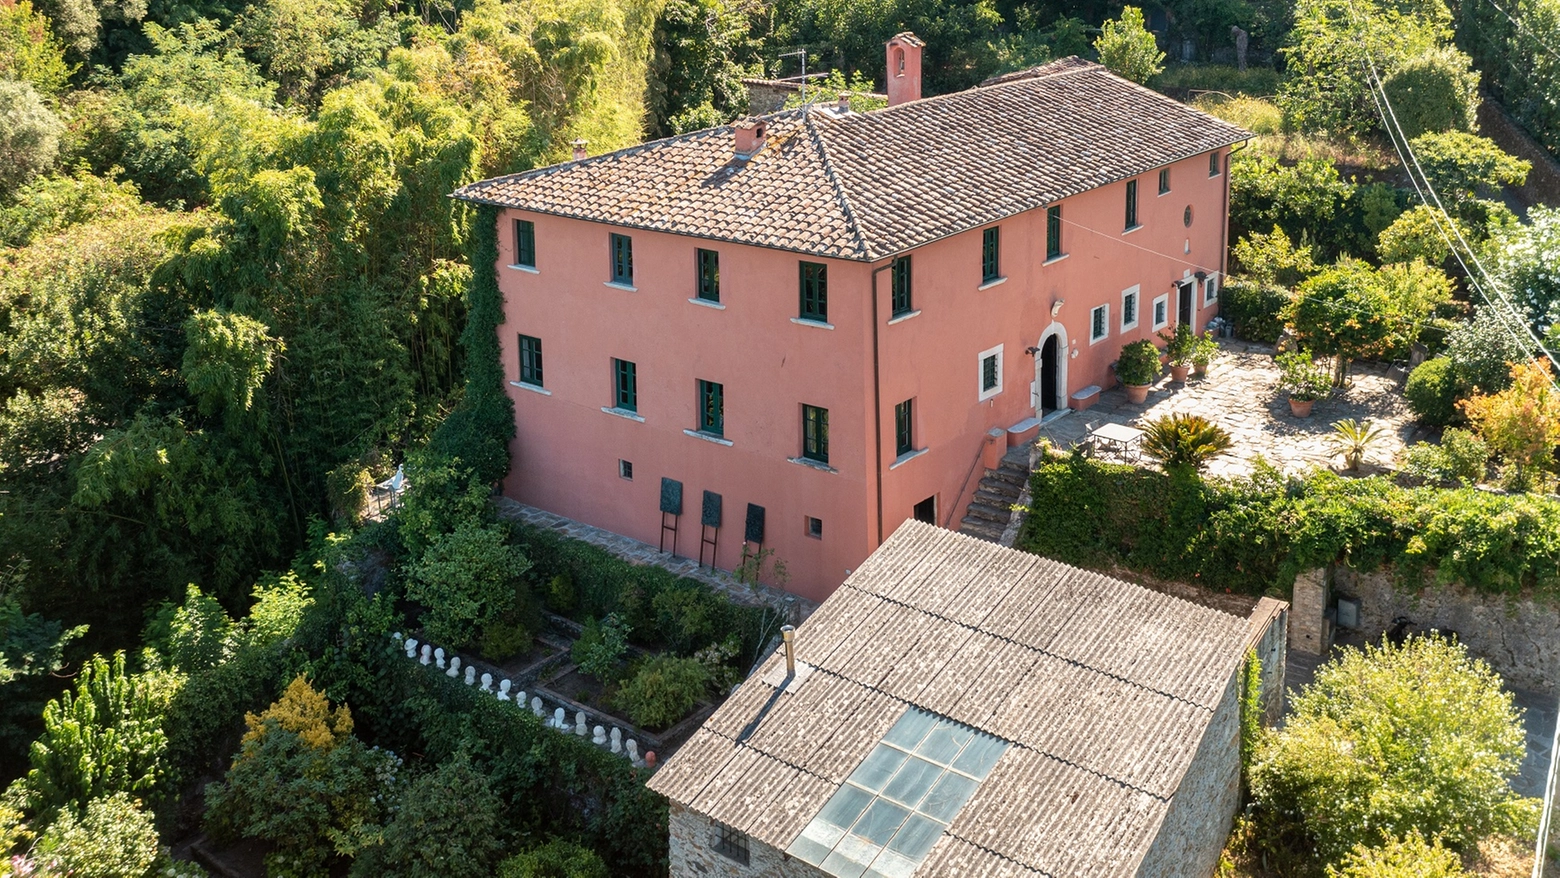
1394, 740
1417, 233
1127, 49
1407, 857
555, 859
1462, 165
1520, 423
663, 691
1431, 392
1460, 459
1255, 114
302, 782
1272, 259
560, 594
1435, 91
1180, 343
1302, 377
1139, 363
601, 646
468, 580
1306, 200
1482, 351
111, 838
199, 633
687, 617
503, 640
1525, 267
1182, 440
447, 823
1352, 440
1255, 309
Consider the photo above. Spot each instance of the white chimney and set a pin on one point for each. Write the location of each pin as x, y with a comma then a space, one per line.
750, 134
579, 149
788, 633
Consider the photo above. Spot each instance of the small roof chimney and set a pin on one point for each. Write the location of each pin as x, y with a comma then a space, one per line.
904, 68
579, 149
788, 634
844, 103
750, 134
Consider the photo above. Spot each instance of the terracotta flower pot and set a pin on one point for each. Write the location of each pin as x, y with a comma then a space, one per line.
1179, 373
1301, 408
1200, 369
1136, 392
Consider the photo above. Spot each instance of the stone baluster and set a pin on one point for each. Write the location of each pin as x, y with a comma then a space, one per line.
520, 701
632, 746
395, 638
558, 720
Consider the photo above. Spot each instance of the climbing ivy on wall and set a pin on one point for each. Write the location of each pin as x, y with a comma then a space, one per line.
478, 431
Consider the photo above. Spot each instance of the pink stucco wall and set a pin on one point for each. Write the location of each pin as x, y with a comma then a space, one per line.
567, 449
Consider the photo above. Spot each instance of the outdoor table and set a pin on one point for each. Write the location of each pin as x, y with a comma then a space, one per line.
1120, 438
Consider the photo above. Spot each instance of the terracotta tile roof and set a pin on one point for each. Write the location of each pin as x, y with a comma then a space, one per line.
1103, 688
864, 186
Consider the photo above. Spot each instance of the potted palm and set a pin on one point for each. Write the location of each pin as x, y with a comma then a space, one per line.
1203, 352
1179, 346
1306, 381
1184, 441
1137, 368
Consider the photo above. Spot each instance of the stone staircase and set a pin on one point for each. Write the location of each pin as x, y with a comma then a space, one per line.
992, 506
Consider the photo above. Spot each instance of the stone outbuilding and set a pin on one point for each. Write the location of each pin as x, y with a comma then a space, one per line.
961, 709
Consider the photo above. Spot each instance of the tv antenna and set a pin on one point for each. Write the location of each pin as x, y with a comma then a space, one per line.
802, 54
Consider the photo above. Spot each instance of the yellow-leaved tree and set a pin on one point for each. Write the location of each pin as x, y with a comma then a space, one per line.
1520, 423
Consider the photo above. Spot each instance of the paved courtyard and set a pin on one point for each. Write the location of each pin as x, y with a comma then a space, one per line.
1240, 393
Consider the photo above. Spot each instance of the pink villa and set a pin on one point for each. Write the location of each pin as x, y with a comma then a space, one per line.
796, 332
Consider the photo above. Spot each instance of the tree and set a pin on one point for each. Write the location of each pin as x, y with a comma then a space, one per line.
111, 838
107, 738
199, 633
303, 782
467, 579
1520, 423
28, 50
1307, 201
1461, 166
448, 823
1483, 350
859, 87
1392, 740
1434, 92
702, 48
1421, 232
1343, 312
1524, 268
1272, 258
1128, 49
29, 135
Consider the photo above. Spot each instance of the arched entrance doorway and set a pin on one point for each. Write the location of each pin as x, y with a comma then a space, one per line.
1051, 371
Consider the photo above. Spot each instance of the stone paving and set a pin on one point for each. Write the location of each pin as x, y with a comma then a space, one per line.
635, 552
1240, 393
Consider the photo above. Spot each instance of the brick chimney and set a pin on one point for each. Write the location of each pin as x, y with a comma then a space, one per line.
750, 136
904, 68
579, 149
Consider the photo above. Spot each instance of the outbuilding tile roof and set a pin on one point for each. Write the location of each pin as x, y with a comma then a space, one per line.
1103, 688
864, 186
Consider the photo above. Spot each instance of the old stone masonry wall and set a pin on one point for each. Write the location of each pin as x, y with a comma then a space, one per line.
1518, 635
693, 853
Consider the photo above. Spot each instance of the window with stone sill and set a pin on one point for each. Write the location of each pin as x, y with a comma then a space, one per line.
731, 844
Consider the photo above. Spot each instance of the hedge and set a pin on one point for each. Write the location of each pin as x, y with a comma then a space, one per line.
1254, 309
664, 611
1253, 535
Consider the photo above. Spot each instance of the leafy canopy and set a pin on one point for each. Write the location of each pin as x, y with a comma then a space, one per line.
1127, 49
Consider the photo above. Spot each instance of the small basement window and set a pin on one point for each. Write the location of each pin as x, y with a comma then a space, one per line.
731, 844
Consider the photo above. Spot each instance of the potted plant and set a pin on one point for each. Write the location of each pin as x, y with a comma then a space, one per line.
1203, 352
1183, 440
1178, 348
1306, 381
1352, 440
1137, 368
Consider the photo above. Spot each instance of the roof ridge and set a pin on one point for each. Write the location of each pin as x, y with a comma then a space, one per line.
834, 180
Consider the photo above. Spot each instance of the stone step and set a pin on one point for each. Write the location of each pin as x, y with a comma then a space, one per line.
985, 530
999, 497
998, 515
1011, 476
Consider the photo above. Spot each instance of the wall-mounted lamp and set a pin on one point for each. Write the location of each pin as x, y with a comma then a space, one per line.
1031, 350
1202, 275
1056, 306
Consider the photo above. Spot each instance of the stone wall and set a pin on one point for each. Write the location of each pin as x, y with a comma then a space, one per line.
693, 853
1269, 640
1518, 635
1195, 828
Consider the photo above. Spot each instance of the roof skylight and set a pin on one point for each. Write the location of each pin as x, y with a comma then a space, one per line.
887, 815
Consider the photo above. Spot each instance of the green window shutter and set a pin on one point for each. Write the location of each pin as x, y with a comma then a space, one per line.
990, 263
525, 243
530, 360
1132, 213
709, 275
814, 291
622, 260
1053, 231
1213, 163
815, 433
904, 440
900, 305
1164, 180
625, 385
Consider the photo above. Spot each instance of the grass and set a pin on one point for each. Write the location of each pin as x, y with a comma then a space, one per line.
1263, 118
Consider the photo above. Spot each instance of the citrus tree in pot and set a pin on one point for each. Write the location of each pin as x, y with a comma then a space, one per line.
1204, 349
1305, 379
1179, 347
1137, 368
